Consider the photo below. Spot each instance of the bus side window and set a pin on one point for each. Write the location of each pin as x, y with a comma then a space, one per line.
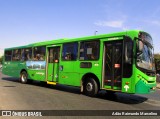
8, 55
54, 54
26, 54
39, 53
70, 51
22, 55
16, 55
89, 50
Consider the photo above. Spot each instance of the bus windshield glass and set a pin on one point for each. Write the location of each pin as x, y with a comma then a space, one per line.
145, 56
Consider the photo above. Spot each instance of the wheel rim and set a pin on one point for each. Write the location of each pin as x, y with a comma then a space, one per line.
89, 86
23, 78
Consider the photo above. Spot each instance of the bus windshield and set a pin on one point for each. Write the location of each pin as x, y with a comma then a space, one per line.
145, 56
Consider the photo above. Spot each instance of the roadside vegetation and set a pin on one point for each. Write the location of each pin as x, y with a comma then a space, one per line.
157, 62
1, 58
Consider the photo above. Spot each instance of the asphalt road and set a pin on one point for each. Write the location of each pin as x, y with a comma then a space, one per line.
35, 96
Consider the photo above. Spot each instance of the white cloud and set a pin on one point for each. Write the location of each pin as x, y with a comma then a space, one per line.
152, 22
155, 22
114, 24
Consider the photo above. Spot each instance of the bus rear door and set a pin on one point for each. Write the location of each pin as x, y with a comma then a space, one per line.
53, 64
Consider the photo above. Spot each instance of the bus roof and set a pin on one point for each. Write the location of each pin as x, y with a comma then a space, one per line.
58, 41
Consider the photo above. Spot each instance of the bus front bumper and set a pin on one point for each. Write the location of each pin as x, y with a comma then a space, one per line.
143, 88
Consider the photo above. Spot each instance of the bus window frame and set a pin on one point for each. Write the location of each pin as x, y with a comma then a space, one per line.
19, 55
126, 40
146, 71
33, 53
85, 41
24, 54
10, 55
62, 57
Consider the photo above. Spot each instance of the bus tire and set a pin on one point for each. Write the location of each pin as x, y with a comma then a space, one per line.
90, 87
24, 77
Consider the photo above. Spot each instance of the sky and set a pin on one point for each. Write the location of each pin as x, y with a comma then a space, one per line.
28, 21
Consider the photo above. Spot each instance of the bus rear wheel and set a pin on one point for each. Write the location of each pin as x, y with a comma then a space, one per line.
90, 87
24, 77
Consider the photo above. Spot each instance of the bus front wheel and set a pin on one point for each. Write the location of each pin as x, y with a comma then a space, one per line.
90, 87
24, 77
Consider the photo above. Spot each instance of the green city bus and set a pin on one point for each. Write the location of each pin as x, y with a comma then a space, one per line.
115, 62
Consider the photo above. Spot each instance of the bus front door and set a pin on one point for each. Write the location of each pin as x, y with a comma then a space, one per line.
53, 64
113, 65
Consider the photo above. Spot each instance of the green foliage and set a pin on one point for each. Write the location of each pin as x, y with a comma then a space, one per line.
1, 59
157, 56
157, 62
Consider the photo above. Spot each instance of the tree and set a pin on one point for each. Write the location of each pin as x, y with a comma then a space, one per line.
1, 59
157, 62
